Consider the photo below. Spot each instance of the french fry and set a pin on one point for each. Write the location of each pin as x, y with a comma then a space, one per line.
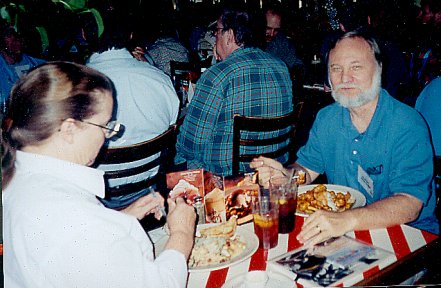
318, 198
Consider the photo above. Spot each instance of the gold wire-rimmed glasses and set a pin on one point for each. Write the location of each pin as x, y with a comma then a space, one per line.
112, 128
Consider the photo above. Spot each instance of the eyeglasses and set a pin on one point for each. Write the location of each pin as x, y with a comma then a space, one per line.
112, 128
216, 30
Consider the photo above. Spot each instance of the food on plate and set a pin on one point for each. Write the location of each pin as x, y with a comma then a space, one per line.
320, 198
224, 230
216, 244
301, 177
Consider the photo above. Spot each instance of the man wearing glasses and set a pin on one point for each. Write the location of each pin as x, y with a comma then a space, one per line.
246, 81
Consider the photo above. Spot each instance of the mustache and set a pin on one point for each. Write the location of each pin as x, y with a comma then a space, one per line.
345, 86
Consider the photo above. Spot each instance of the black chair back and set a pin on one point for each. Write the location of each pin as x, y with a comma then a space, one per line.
164, 144
261, 124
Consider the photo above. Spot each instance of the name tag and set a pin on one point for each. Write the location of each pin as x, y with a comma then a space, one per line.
365, 181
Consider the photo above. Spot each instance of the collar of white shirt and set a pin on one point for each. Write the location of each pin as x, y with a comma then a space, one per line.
87, 178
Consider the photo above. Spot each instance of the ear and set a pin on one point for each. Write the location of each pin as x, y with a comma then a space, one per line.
67, 130
230, 37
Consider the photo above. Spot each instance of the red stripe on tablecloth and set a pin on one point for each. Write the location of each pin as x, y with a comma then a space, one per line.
398, 240
293, 243
217, 278
368, 273
364, 236
428, 237
256, 262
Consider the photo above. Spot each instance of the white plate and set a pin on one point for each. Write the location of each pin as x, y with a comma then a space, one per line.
247, 236
275, 280
356, 196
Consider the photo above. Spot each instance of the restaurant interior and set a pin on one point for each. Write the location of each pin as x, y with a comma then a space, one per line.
45, 27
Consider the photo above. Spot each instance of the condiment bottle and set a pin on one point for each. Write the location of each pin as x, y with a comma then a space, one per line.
200, 209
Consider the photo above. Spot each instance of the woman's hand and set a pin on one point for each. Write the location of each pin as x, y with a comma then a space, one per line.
268, 168
181, 222
146, 205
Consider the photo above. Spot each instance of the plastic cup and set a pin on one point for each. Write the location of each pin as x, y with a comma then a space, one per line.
256, 279
266, 221
285, 189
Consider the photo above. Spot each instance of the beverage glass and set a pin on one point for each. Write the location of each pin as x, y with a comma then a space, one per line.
266, 221
286, 190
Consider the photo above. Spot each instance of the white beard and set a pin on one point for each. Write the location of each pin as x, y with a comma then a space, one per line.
361, 98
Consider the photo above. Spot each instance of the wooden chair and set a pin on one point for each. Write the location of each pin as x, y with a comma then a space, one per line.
164, 144
263, 125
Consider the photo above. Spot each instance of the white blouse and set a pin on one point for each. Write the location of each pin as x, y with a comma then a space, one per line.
57, 234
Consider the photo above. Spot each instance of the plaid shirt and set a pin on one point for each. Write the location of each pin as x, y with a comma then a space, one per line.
249, 82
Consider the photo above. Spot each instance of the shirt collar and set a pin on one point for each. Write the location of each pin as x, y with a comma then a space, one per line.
110, 54
87, 178
374, 125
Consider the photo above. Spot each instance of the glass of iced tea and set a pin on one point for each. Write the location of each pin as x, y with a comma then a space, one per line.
266, 221
286, 190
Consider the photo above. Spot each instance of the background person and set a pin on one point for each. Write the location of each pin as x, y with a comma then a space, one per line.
56, 232
14, 62
277, 43
147, 101
246, 81
368, 141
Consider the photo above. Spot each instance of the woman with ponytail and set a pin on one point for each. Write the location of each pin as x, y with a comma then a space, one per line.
56, 232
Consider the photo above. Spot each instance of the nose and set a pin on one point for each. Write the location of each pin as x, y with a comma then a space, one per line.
346, 76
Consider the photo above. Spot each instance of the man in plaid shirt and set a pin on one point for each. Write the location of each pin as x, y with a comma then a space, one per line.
246, 81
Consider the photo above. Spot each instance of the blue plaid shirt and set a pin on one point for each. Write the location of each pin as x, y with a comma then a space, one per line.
249, 82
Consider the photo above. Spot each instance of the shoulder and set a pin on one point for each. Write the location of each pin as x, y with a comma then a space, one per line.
430, 97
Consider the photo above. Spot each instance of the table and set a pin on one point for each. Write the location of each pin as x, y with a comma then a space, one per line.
405, 241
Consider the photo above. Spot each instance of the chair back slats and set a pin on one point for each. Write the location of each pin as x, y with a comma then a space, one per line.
133, 171
163, 144
129, 188
261, 124
138, 151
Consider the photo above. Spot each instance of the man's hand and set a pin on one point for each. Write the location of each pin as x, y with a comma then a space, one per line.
267, 168
322, 225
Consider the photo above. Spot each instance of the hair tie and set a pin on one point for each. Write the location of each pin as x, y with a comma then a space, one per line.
7, 124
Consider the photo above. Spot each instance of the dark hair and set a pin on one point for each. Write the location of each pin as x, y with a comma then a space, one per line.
42, 99
370, 40
241, 22
116, 35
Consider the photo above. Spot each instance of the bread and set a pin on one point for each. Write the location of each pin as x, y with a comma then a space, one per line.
224, 230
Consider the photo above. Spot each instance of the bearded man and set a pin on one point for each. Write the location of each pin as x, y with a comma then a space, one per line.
369, 141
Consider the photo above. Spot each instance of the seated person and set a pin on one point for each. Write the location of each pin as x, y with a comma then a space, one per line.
147, 102
277, 43
246, 81
14, 63
167, 48
369, 141
56, 232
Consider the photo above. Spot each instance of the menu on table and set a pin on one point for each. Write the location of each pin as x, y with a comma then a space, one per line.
223, 196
